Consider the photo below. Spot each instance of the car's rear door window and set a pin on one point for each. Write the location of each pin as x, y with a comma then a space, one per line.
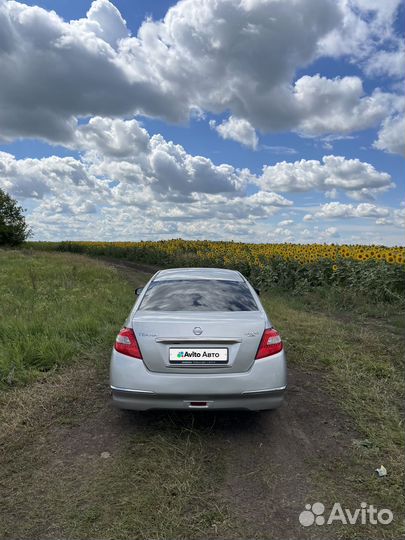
198, 295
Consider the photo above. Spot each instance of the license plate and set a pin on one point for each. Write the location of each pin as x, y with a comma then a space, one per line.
198, 355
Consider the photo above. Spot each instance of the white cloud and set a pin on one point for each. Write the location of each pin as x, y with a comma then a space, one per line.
129, 184
279, 149
123, 151
125, 169
335, 210
396, 218
217, 56
104, 21
389, 63
391, 137
35, 178
354, 177
285, 223
366, 26
337, 105
237, 129
282, 234
331, 232
208, 216
112, 139
332, 194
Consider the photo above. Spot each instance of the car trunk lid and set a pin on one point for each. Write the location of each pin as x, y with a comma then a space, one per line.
199, 342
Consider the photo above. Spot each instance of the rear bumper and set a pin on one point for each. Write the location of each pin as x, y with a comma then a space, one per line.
127, 399
133, 386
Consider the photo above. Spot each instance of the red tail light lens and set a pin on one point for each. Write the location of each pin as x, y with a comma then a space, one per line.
126, 343
270, 344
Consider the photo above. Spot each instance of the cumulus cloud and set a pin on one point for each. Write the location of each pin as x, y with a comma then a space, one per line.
242, 59
35, 178
366, 26
396, 218
237, 129
331, 232
213, 56
391, 137
335, 210
389, 63
68, 70
122, 167
354, 177
123, 171
112, 139
285, 223
213, 216
361, 223
104, 21
123, 151
337, 105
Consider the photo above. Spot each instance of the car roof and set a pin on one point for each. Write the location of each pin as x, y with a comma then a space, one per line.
198, 273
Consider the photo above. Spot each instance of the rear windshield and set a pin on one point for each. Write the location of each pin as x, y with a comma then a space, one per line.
198, 295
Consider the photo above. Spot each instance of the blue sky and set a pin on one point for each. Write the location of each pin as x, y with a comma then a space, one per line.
252, 120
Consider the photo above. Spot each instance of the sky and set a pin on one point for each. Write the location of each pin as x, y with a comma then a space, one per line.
245, 120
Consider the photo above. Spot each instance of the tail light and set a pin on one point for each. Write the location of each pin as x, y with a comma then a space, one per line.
270, 344
126, 343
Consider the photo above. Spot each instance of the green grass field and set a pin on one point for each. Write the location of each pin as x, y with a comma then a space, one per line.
362, 361
55, 310
171, 476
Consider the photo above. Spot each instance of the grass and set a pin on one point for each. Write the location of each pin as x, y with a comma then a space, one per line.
55, 421
55, 309
166, 475
168, 478
362, 360
158, 480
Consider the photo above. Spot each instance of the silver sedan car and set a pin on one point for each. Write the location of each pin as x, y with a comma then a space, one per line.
198, 338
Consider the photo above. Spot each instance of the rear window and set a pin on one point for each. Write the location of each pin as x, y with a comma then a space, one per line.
198, 295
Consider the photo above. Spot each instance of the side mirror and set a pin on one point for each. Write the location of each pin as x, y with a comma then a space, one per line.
138, 291
257, 291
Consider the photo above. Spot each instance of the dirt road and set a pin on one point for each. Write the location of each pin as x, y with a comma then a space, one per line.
74, 467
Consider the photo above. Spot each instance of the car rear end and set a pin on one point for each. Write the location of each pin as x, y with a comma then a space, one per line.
198, 340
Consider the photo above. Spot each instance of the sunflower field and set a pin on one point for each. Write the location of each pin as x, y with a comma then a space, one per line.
377, 272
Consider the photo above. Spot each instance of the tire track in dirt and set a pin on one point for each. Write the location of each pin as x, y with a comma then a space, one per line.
272, 458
